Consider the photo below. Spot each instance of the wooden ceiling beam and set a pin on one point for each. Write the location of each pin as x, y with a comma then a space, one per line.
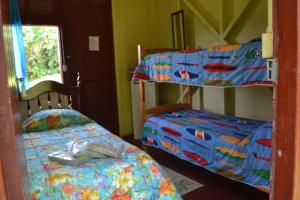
235, 19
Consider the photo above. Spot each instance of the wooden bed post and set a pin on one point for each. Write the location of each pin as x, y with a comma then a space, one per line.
142, 88
142, 108
142, 94
142, 101
78, 82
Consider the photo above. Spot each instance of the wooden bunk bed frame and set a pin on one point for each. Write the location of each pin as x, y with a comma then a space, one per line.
142, 52
162, 108
167, 107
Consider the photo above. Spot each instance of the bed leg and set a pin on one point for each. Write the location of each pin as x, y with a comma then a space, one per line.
144, 147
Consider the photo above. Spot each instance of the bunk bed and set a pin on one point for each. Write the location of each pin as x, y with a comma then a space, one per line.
135, 175
237, 148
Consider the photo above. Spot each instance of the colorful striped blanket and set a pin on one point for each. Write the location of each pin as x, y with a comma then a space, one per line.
224, 66
237, 148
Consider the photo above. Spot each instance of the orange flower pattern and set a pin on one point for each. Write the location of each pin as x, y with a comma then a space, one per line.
166, 187
68, 189
54, 119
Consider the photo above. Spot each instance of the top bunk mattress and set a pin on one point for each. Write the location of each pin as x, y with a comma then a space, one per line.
223, 66
237, 148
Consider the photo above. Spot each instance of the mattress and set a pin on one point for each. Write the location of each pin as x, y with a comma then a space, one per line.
223, 66
134, 176
237, 148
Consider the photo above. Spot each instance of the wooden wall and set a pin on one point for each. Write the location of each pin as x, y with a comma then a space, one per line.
286, 138
11, 150
79, 19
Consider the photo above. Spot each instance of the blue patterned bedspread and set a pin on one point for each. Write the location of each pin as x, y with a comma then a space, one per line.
224, 66
135, 176
237, 148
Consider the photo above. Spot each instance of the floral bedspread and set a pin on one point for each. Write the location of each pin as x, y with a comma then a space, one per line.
135, 176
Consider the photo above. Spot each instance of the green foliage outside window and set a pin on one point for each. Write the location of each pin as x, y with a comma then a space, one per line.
42, 51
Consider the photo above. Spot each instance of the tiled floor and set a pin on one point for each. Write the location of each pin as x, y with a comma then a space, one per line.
216, 187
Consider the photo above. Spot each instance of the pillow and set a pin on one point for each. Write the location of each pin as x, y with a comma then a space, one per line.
54, 119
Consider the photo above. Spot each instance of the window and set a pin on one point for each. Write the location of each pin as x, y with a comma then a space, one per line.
43, 53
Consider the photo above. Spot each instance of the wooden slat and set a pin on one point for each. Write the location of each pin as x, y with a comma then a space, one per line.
183, 93
59, 101
39, 103
167, 108
49, 101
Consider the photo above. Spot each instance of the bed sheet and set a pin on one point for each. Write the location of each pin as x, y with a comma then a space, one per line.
237, 148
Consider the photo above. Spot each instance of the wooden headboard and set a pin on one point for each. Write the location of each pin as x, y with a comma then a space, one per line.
47, 87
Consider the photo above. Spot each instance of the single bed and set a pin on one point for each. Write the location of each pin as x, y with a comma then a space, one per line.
237, 148
134, 176
225, 66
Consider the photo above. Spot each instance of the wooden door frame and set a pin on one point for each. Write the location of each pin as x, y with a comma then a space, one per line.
286, 140
3, 193
12, 166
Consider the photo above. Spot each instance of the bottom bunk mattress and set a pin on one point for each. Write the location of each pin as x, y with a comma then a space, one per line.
133, 176
237, 148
